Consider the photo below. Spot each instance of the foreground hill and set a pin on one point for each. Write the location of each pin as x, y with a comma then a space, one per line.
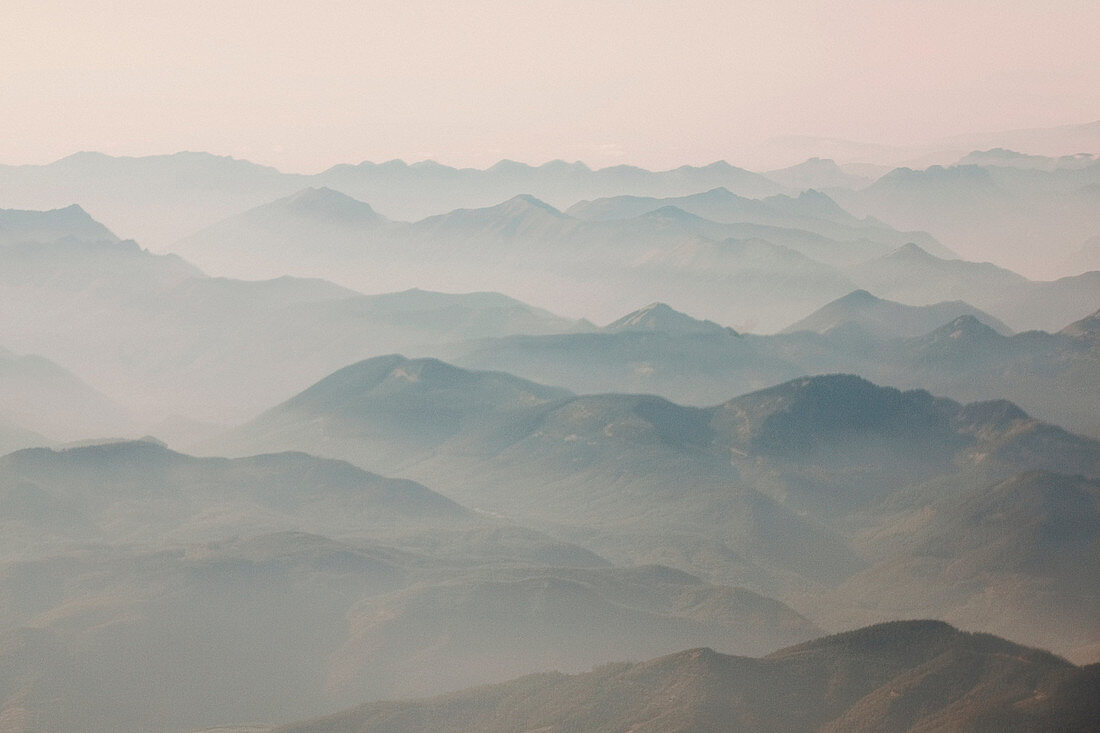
966, 552
903, 676
370, 586
289, 625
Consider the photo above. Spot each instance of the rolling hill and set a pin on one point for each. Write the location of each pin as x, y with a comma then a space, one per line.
904, 676
771, 489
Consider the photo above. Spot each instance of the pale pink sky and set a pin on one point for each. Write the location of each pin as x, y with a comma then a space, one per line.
303, 85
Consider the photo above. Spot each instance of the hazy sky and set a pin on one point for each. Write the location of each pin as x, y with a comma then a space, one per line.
303, 85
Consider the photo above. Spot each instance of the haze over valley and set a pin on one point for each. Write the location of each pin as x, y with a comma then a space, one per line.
639, 368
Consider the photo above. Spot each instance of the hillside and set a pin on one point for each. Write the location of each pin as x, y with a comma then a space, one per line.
375, 586
773, 488
659, 317
903, 676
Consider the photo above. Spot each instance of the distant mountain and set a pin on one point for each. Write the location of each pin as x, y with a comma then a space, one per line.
695, 252
1048, 141
990, 212
109, 267
155, 199
817, 173
1052, 376
159, 338
519, 215
908, 675
1012, 159
327, 206
661, 318
72, 222
422, 189
914, 276
697, 367
810, 211
14, 437
528, 248
43, 397
315, 223
888, 319
1085, 258
160, 199
1048, 305
391, 411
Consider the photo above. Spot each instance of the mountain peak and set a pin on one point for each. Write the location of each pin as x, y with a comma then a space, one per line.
964, 331
911, 250
720, 193
525, 203
858, 297
878, 637
508, 166
663, 318
330, 204
71, 221
890, 319
1086, 329
394, 372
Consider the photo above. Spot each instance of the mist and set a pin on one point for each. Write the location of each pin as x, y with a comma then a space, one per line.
653, 367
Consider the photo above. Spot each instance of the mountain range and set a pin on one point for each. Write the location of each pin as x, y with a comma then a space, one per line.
837, 410
530, 249
1052, 375
737, 260
997, 212
770, 490
888, 319
157, 336
209, 568
159, 199
991, 204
